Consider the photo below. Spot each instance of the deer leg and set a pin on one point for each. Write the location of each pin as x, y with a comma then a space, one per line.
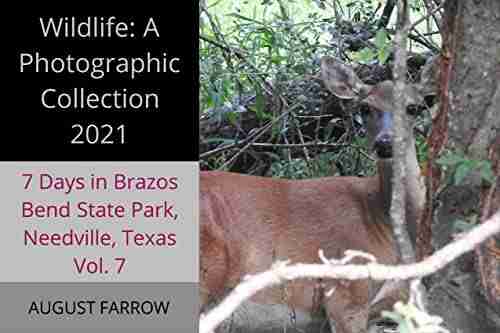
348, 309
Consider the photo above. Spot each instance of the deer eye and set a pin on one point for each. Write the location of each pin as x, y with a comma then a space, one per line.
412, 110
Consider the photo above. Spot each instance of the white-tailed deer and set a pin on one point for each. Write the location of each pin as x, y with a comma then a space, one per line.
248, 222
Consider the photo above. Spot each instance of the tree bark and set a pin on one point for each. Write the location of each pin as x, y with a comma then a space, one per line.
467, 293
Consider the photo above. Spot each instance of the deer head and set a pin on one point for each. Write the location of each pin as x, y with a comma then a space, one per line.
341, 80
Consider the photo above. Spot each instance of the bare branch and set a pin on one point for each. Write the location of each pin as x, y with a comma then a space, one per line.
265, 128
425, 17
282, 272
400, 144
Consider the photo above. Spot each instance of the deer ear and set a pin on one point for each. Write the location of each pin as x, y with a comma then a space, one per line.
340, 79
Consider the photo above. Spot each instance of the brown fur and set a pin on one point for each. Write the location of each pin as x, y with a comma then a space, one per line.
249, 222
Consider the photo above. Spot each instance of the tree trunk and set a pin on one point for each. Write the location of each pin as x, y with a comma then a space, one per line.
467, 294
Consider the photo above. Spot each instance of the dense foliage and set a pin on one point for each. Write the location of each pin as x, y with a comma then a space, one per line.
260, 60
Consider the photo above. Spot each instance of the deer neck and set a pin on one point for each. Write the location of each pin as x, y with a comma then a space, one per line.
414, 187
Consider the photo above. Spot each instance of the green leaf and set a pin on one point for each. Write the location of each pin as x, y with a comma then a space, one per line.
462, 225
461, 172
260, 103
394, 316
232, 117
487, 172
404, 327
474, 164
220, 140
450, 159
365, 55
276, 59
383, 55
381, 39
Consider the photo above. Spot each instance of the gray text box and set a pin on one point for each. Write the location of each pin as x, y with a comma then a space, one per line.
53, 307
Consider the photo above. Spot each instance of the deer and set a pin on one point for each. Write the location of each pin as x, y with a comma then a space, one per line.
247, 222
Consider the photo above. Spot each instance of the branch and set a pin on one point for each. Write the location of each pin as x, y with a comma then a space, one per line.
228, 50
386, 14
300, 145
282, 272
400, 143
249, 139
429, 5
425, 17
264, 129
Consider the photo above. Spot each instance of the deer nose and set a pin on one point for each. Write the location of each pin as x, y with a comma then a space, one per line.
383, 145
